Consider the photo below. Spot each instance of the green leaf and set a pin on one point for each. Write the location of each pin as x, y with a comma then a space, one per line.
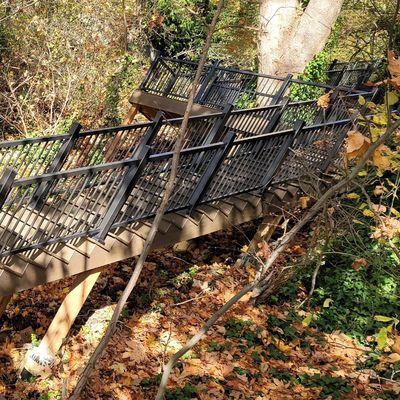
381, 338
392, 98
353, 196
362, 100
307, 321
327, 303
382, 318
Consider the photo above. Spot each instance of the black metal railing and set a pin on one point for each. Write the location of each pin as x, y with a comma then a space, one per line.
219, 86
36, 156
93, 200
352, 74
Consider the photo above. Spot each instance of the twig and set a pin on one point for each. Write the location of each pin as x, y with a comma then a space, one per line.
157, 220
281, 247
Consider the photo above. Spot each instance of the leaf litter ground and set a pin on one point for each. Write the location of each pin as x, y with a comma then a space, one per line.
254, 352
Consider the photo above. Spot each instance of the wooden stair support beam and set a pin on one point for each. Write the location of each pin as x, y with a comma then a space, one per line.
130, 116
69, 310
265, 231
274, 204
53, 269
4, 301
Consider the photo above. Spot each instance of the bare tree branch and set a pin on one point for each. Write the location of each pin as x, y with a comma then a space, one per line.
279, 249
157, 220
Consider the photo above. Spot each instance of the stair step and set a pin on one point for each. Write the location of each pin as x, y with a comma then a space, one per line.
177, 220
15, 265
224, 208
208, 210
194, 218
78, 250
236, 202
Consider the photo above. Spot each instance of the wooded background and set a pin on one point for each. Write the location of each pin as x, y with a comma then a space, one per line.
64, 60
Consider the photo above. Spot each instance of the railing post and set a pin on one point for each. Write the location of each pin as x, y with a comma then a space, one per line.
207, 83
272, 124
339, 77
216, 131
6, 182
332, 65
334, 151
121, 195
279, 158
211, 170
57, 164
219, 125
142, 152
364, 76
148, 137
280, 93
150, 71
325, 113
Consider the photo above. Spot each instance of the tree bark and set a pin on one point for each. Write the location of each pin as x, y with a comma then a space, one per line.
289, 38
276, 20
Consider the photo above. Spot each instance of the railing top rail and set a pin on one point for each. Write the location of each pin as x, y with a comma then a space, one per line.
165, 155
40, 139
111, 165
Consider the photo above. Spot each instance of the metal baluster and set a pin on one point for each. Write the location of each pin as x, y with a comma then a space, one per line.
280, 156
208, 80
150, 71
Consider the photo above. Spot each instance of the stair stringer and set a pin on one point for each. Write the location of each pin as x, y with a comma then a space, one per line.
62, 261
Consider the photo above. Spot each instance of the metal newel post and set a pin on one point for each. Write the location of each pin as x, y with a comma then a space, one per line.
148, 137
210, 172
122, 193
282, 90
324, 113
6, 182
274, 121
207, 83
56, 165
284, 148
219, 126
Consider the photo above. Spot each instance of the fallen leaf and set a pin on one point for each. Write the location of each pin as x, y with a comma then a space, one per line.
396, 345
359, 263
357, 144
379, 190
325, 100
304, 200
382, 158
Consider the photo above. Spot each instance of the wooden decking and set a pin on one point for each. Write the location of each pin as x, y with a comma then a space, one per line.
149, 104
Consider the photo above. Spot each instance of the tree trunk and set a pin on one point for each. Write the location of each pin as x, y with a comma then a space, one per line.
289, 38
276, 20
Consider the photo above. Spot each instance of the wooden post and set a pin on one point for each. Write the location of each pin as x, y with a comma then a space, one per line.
129, 118
4, 303
265, 231
69, 310
40, 360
